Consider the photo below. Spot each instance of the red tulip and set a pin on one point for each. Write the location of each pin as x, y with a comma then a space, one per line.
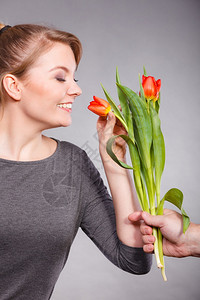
151, 87
99, 106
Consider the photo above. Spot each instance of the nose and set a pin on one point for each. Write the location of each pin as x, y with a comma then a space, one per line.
74, 90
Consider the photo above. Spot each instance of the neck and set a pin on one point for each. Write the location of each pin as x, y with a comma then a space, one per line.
20, 139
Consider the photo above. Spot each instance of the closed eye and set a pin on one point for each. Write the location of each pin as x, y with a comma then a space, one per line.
60, 79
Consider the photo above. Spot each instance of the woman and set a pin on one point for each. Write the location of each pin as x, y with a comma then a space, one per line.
50, 188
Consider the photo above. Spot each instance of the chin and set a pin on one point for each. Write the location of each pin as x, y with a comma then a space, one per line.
66, 123
60, 124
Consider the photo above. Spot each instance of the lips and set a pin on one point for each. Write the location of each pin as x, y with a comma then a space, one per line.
65, 105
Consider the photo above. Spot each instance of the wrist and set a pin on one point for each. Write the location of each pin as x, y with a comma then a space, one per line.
109, 164
193, 239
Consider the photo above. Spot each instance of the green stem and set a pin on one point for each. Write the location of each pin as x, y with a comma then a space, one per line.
139, 189
153, 212
149, 179
160, 238
148, 102
156, 248
145, 199
160, 250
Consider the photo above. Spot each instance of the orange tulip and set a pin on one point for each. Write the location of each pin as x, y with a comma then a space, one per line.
151, 87
99, 106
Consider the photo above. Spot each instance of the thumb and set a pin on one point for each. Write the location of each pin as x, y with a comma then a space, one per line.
150, 220
111, 120
135, 216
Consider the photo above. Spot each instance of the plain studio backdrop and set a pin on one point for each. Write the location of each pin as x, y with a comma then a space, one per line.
163, 36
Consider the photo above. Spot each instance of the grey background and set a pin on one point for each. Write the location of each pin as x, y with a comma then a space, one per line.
163, 36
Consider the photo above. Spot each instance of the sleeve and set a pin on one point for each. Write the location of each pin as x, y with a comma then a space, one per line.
99, 223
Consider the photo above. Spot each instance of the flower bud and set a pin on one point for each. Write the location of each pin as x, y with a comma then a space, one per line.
151, 87
99, 106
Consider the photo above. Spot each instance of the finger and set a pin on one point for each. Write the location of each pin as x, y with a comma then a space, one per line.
167, 211
110, 124
102, 118
148, 248
156, 221
145, 229
148, 239
101, 121
135, 217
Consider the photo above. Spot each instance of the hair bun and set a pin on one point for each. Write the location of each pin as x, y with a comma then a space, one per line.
4, 28
2, 25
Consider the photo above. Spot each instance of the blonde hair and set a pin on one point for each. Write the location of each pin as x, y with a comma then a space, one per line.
21, 45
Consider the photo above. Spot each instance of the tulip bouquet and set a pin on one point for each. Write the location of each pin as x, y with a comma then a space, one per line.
139, 115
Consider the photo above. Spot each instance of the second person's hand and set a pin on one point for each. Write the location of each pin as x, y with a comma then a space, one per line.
175, 242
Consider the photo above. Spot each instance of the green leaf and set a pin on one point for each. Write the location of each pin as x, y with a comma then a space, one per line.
116, 110
145, 199
125, 109
158, 149
160, 207
175, 196
144, 70
135, 166
141, 90
157, 104
112, 154
142, 122
135, 159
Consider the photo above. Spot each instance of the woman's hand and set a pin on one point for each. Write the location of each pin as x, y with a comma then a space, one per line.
106, 128
119, 180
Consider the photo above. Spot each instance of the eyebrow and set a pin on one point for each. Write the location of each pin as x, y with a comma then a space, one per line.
60, 67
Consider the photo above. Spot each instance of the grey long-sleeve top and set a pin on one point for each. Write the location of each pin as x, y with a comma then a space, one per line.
42, 205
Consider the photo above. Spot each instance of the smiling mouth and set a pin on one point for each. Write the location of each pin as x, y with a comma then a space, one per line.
65, 106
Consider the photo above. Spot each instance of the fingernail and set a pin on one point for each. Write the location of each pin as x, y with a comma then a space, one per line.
145, 214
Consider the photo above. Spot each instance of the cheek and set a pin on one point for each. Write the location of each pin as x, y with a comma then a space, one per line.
35, 90
52, 91
45, 93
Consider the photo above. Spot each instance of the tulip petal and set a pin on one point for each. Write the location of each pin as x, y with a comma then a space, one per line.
99, 106
116, 110
151, 87
101, 101
158, 82
99, 110
143, 79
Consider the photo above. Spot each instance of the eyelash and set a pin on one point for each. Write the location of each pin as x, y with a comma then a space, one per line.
63, 80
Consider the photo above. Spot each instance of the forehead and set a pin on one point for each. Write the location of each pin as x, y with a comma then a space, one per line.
58, 55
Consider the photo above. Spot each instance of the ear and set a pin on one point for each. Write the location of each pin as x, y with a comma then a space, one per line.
12, 86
